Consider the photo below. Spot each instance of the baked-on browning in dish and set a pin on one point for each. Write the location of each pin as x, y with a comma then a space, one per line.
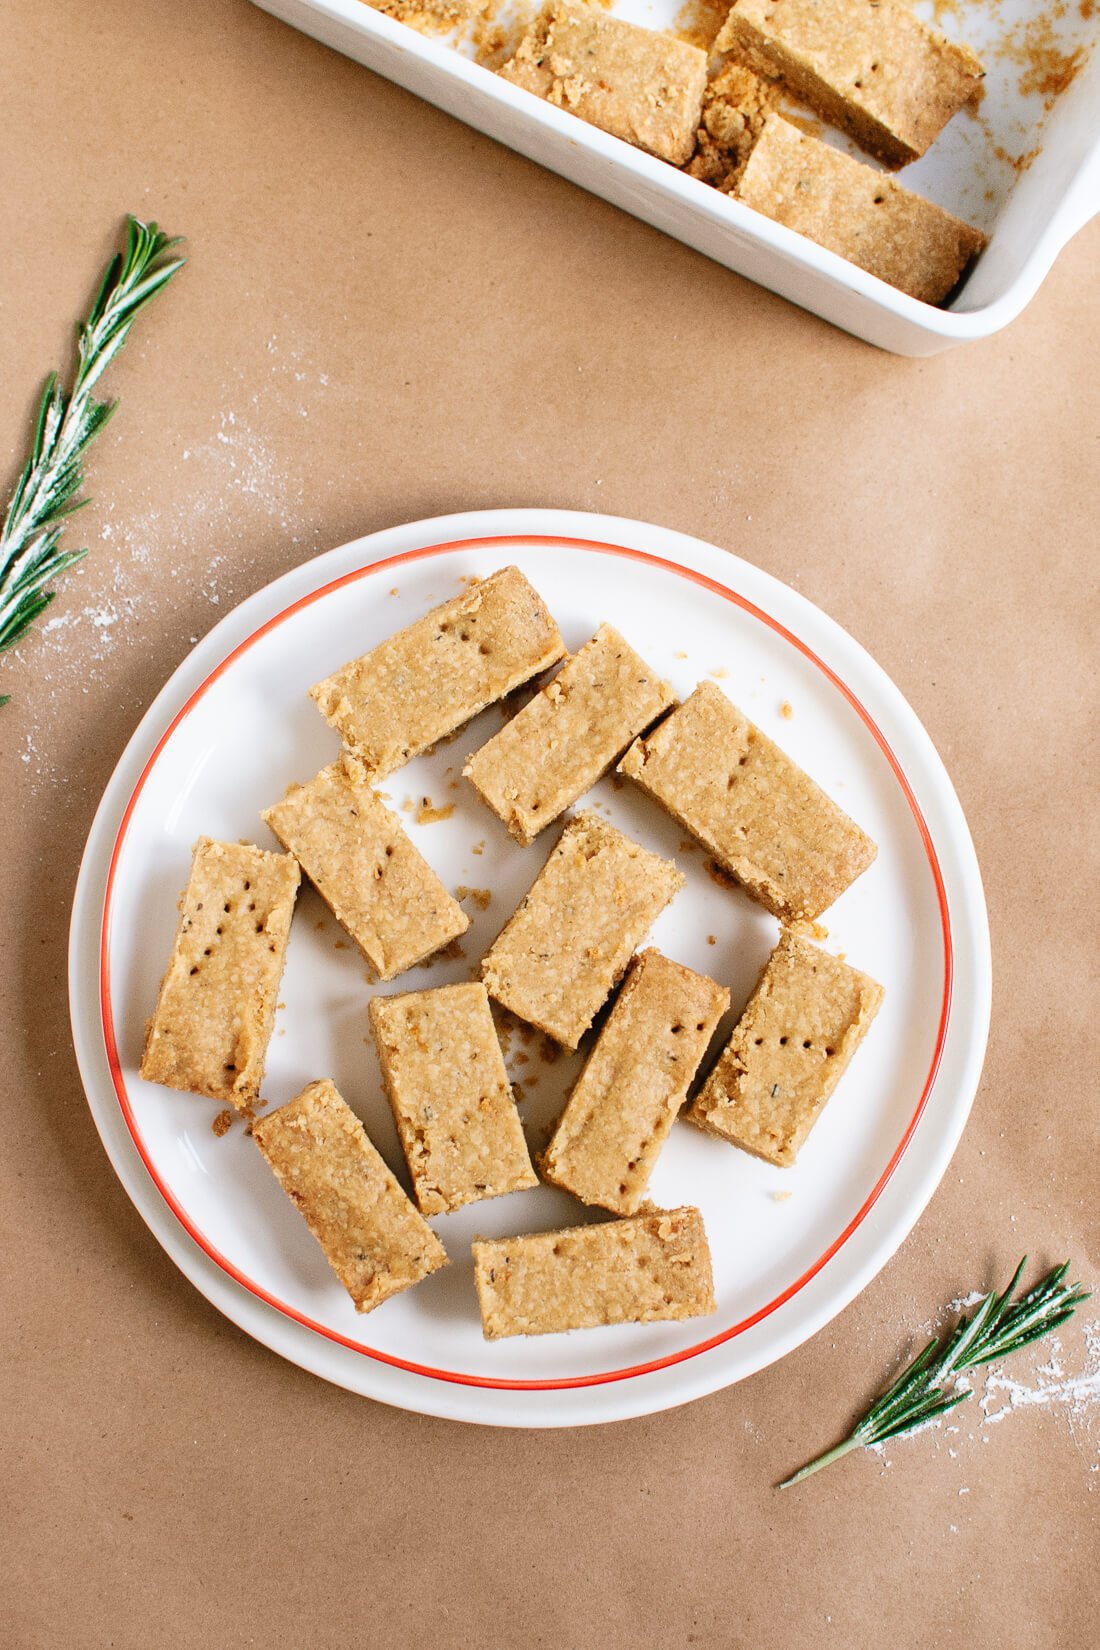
212, 1023
373, 1238
801, 1026
648, 1268
444, 1075
558, 957
633, 82
569, 735
754, 809
366, 869
870, 67
636, 1079
858, 212
429, 679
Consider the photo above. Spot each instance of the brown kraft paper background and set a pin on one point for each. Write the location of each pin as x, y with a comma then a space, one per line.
386, 317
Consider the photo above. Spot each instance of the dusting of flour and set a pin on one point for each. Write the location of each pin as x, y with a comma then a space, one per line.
132, 576
1065, 1385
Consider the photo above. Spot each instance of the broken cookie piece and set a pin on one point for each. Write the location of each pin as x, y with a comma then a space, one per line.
736, 104
644, 87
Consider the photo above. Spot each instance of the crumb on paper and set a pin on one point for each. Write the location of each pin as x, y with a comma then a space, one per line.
428, 814
719, 673
339, 945
680, 655
223, 1122
781, 1197
712, 939
393, 592
478, 847
786, 710
808, 930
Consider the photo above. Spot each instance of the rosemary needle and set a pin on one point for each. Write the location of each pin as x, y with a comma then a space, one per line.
924, 1390
44, 494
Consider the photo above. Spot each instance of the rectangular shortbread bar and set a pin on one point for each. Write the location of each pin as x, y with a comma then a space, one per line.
366, 869
870, 67
212, 1023
373, 1238
646, 1269
635, 83
636, 1079
862, 214
558, 957
430, 16
569, 735
802, 1024
445, 1078
754, 809
426, 681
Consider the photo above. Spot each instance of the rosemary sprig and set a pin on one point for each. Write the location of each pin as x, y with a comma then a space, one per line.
924, 1390
44, 494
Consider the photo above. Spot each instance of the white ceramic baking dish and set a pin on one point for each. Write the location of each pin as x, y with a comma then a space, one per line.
1028, 212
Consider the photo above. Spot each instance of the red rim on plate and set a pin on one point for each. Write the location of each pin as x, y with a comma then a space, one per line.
454, 1376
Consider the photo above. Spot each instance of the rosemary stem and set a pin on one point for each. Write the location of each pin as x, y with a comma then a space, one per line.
67, 422
928, 1388
820, 1461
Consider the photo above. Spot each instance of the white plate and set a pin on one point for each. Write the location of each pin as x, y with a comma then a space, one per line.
234, 725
